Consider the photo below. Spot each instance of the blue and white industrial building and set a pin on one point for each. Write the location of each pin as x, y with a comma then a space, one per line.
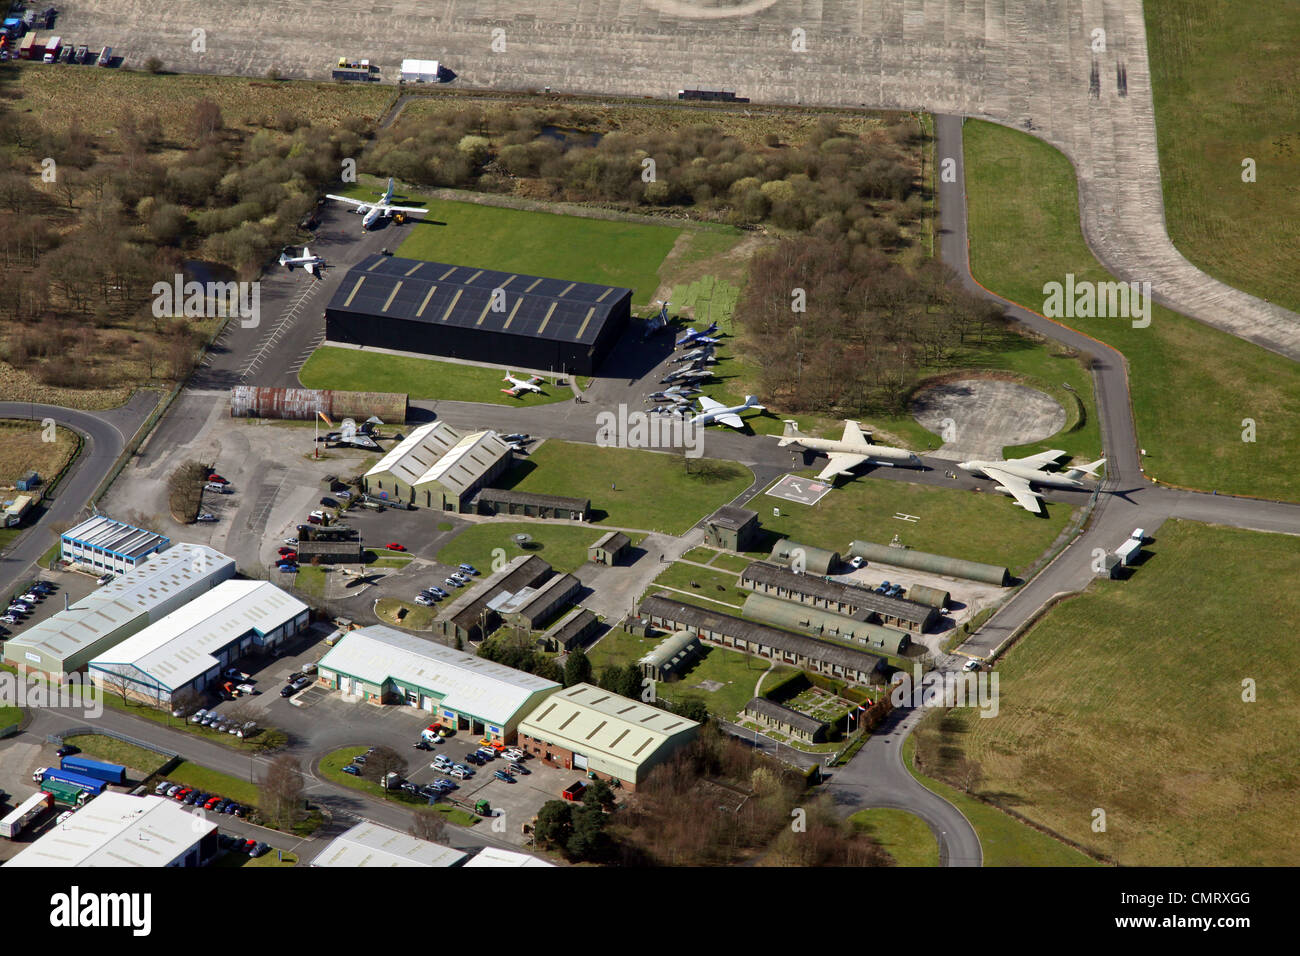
106, 544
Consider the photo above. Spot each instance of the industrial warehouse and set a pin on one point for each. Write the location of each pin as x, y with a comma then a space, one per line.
107, 545
382, 665
611, 737
69, 640
438, 467
187, 649
480, 315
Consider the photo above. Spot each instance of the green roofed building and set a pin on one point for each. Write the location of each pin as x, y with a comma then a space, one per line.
820, 622
438, 467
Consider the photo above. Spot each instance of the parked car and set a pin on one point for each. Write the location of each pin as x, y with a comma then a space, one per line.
394, 546
423, 601
287, 568
214, 487
453, 584
329, 502
292, 541
174, 789
352, 769
287, 550
31, 597
513, 753
971, 665
9, 619
67, 750
474, 759
161, 788
104, 578
468, 569
217, 479
519, 768
502, 775
345, 495
460, 773
422, 744
856, 561
287, 690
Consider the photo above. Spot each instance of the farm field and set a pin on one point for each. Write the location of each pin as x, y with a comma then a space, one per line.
632, 488
1122, 699
421, 378
1192, 387
975, 526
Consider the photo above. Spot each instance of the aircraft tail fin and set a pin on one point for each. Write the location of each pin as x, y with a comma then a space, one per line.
791, 433
1089, 469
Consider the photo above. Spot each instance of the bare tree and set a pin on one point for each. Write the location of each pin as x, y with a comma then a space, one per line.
382, 762
428, 825
282, 790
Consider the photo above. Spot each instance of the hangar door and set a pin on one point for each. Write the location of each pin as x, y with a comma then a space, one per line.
579, 761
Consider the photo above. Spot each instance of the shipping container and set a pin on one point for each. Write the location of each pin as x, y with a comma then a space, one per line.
254, 401
25, 813
81, 780
108, 772
29, 46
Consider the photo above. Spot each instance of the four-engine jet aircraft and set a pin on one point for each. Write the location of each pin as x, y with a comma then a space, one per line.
1016, 476
850, 451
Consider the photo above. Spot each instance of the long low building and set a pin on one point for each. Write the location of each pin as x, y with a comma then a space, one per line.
109, 545
69, 640
932, 563
529, 504
187, 649
382, 665
371, 845
481, 315
850, 600
819, 622
761, 640
533, 607
121, 830
570, 631
586, 728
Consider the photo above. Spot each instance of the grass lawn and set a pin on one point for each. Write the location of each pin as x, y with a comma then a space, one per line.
730, 562
416, 618
1191, 385
717, 586
904, 836
620, 647
564, 547
214, 781
547, 244
10, 716
1145, 718
116, 751
700, 555
1208, 120
22, 450
1004, 840
653, 491
963, 524
310, 580
737, 673
421, 378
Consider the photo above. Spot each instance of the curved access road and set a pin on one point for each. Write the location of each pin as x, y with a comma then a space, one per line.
105, 434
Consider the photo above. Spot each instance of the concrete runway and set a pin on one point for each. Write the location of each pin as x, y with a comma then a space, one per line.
1042, 67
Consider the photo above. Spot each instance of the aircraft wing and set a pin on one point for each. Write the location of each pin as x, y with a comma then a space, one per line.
1019, 489
709, 405
841, 464
1039, 460
402, 209
351, 202
854, 435
731, 419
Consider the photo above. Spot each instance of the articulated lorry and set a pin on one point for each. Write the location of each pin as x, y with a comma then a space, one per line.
107, 772
90, 784
25, 813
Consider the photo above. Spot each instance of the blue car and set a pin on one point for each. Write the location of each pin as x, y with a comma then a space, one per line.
502, 775
352, 769
287, 568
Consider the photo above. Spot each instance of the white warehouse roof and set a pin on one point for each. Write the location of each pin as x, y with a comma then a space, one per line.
470, 684
149, 584
369, 844
495, 856
116, 829
438, 452
421, 67
118, 537
178, 648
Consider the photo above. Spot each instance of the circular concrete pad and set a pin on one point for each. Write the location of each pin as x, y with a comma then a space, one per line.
977, 418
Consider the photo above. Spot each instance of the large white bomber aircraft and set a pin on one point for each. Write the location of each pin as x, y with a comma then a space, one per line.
850, 451
1016, 476
373, 211
711, 411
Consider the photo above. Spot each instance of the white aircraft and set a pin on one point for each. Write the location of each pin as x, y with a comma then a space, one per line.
1016, 476
711, 411
850, 451
518, 386
374, 211
312, 265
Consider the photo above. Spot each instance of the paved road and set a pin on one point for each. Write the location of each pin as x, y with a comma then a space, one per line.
106, 434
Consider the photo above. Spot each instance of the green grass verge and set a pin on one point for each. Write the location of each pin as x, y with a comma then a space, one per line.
416, 618
730, 562
234, 860
10, 715
310, 580
650, 490
1208, 120
904, 836
421, 378
963, 524
1146, 719
268, 739
564, 547
700, 555
214, 781
116, 751
716, 586
1004, 840
1192, 386
601, 251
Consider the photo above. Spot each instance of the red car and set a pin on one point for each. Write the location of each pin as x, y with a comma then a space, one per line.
218, 479
288, 551
183, 793
394, 546
288, 556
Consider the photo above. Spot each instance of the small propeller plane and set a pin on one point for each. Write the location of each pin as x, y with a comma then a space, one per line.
520, 386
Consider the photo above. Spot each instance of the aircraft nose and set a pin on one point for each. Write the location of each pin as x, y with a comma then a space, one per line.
964, 465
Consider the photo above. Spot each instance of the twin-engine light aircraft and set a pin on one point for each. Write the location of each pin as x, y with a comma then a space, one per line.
374, 211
